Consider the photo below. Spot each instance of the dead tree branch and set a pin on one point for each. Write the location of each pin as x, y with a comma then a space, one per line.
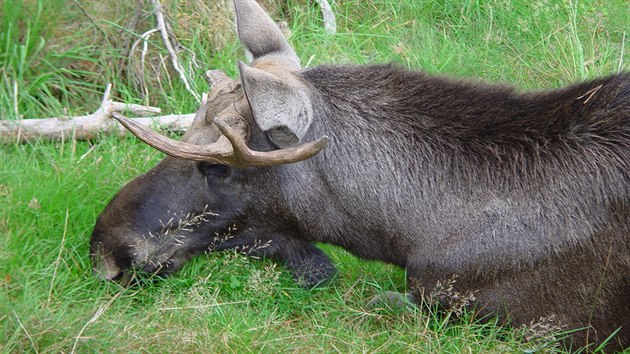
87, 127
161, 25
330, 22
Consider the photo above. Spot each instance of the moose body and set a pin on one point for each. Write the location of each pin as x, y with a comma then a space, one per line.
524, 197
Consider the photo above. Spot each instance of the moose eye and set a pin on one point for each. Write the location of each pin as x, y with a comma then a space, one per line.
214, 169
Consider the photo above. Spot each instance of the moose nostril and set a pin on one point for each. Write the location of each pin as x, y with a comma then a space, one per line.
105, 268
114, 276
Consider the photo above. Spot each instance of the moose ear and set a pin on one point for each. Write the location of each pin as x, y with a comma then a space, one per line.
260, 35
281, 107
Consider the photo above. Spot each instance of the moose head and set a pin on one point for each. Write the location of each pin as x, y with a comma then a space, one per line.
212, 182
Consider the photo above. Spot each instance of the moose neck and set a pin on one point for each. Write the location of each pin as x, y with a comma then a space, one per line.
461, 124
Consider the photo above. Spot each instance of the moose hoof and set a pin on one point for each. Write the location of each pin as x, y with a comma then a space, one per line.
392, 300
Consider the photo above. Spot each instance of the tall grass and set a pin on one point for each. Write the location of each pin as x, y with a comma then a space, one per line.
51, 194
32, 78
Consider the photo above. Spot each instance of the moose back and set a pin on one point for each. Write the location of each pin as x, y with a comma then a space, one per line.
523, 197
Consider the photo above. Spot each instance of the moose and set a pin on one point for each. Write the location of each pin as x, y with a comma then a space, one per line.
524, 197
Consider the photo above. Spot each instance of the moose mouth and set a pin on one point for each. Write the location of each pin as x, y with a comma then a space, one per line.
149, 257
157, 267
161, 253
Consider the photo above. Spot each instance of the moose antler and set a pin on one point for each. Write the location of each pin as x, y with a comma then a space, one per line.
235, 154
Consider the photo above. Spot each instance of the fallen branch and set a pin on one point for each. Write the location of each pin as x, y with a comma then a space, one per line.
87, 127
330, 22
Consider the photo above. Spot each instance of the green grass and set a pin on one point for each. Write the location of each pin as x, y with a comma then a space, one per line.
51, 193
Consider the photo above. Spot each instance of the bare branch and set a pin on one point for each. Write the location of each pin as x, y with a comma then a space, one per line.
161, 25
81, 128
144, 38
98, 28
130, 28
330, 22
86, 127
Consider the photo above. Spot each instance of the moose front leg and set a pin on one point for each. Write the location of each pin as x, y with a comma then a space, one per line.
309, 266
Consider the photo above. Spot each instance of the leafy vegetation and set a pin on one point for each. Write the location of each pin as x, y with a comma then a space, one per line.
57, 56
